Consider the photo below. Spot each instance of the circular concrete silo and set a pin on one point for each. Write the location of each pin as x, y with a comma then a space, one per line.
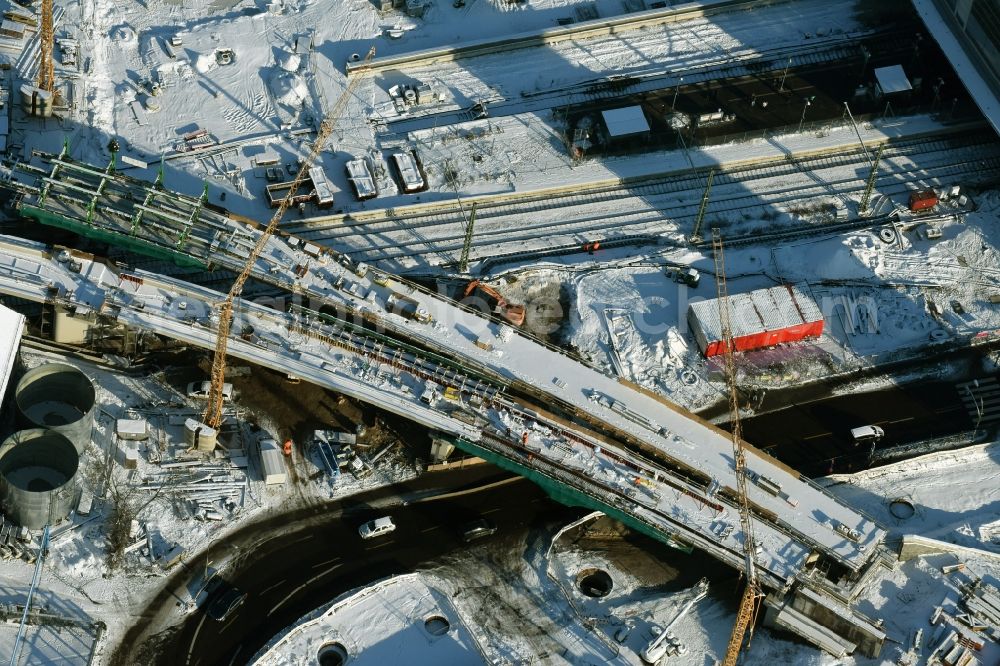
38, 477
59, 397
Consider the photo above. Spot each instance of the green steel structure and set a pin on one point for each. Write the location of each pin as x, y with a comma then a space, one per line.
106, 205
566, 494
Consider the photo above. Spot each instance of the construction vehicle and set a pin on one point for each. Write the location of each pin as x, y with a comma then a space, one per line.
512, 313
213, 412
746, 614
689, 276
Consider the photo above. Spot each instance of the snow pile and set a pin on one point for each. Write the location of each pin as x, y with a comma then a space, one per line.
290, 62
205, 62
289, 88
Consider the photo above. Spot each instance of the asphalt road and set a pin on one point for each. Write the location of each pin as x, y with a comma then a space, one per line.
299, 571
313, 556
814, 437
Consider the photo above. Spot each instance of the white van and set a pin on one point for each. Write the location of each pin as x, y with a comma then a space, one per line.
377, 527
200, 391
868, 434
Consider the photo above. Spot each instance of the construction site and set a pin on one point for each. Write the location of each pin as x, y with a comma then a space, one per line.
500, 332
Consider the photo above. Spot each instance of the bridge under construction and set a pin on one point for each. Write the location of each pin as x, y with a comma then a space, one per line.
588, 438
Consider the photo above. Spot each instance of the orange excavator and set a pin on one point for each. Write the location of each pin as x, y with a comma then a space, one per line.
512, 313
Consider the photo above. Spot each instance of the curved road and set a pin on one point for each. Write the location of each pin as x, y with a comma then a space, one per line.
310, 556
294, 572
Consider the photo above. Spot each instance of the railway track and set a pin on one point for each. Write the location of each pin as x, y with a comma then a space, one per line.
647, 78
658, 206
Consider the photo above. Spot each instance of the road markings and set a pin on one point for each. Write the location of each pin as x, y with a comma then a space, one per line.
381, 545
303, 585
486, 513
908, 418
239, 648
268, 589
334, 560
229, 624
194, 639
429, 529
822, 434
305, 538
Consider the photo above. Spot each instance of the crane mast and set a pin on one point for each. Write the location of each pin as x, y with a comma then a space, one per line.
745, 614
46, 66
213, 411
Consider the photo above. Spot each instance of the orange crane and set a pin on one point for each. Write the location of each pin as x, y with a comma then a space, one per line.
747, 612
513, 313
46, 66
213, 411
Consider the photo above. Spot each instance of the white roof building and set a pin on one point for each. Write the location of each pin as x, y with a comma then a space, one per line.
626, 121
892, 80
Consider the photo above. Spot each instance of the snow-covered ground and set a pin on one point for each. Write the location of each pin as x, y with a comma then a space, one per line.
523, 600
379, 625
882, 301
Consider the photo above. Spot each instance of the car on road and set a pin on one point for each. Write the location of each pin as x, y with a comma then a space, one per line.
478, 529
377, 527
868, 434
200, 391
223, 599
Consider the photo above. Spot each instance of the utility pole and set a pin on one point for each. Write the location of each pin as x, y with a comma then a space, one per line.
870, 185
463, 264
850, 115
677, 85
114, 148
43, 550
781, 88
808, 100
696, 233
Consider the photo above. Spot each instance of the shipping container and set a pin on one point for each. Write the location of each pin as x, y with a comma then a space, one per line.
759, 319
923, 200
360, 176
272, 462
409, 172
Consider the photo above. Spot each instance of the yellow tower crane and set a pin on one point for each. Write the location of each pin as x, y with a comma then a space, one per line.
747, 611
213, 411
46, 66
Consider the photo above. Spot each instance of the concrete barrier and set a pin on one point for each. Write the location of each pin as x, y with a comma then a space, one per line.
918, 546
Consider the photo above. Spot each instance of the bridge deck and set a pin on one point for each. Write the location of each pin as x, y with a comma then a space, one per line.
802, 516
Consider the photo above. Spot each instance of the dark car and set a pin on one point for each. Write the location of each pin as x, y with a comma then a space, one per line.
478, 529
223, 599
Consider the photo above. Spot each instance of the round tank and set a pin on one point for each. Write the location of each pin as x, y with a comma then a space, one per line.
38, 477
58, 397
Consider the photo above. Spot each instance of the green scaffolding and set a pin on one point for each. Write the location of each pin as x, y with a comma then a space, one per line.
568, 495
